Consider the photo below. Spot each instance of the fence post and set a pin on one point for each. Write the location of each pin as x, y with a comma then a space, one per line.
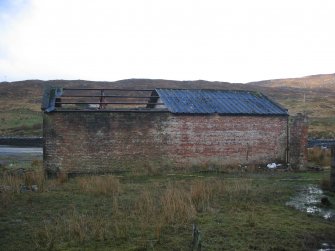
332, 169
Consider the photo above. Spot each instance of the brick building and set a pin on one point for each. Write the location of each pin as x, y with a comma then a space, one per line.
97, 131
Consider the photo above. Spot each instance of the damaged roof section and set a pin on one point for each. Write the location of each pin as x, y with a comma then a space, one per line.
94, 99
177, 101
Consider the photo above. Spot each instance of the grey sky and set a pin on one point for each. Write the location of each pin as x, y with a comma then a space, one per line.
235, 41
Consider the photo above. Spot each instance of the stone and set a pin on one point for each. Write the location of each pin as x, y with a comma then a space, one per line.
34, 188
24, 189
325, 201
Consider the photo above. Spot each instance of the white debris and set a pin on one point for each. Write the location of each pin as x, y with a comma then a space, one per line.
271, 165
34, 188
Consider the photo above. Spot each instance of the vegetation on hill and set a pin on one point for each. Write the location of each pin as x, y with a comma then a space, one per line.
313, 95
20, 101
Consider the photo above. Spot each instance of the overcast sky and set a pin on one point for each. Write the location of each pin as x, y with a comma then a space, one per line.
216, 40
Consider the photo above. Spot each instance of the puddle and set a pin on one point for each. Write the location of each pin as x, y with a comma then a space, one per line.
308, 200
10, 150
325, 246
19, 157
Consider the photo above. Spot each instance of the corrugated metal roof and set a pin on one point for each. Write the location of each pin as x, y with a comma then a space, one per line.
219, 101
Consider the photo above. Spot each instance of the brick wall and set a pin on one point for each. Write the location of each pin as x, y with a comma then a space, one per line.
298, 141
113, 141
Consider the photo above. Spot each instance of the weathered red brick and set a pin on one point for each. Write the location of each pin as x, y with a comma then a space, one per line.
102, 141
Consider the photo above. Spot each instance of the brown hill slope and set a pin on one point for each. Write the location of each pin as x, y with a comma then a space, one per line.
20, 101
314, 95
321, 81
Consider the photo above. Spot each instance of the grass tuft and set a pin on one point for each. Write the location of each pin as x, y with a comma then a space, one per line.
177, 205
36, 177
202, 193
319, 156
325, 184
62, 177
12, 184
103, 185
76, 227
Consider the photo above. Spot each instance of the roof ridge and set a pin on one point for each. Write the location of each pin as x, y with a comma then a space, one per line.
204, 89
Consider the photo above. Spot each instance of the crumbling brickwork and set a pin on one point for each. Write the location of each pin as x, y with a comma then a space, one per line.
114, 141
298, 141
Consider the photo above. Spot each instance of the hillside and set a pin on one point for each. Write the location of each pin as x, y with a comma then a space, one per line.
20, 101
314, 95
323, 81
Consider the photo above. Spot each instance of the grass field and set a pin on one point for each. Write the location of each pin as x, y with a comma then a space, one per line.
233, 211
21, 122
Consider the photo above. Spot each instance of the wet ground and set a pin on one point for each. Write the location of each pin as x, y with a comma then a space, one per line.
308, 199
17, 157
325, 246
15, 150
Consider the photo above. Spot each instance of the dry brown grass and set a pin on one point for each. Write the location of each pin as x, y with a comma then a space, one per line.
177, 205
157, 213
165, 205
8, 187
146, 205
75, 226
180, 202
83, 226
236, 187
147, 211
105, 185
202, 193
62, 177
319, 156
12, 184
35, 178
325, 184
